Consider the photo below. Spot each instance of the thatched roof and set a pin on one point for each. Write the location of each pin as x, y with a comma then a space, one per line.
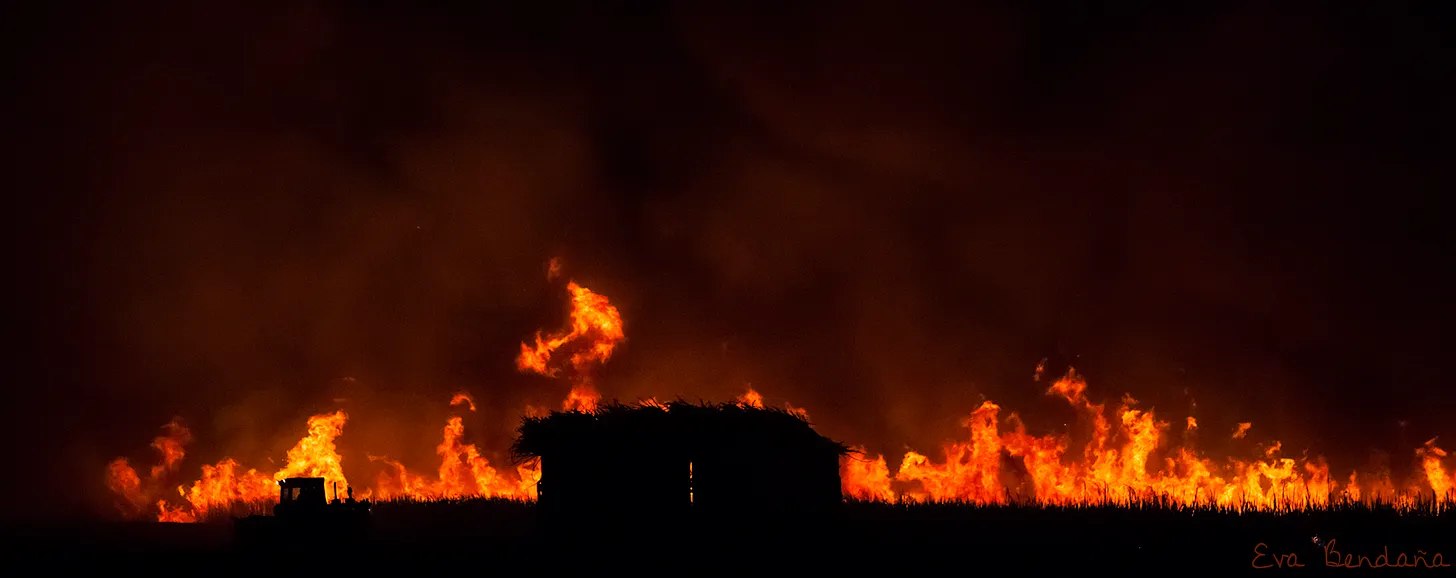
676, 425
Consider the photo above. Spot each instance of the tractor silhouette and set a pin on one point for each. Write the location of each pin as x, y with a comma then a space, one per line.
304, 517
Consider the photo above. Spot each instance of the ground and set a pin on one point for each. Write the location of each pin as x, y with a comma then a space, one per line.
864, 539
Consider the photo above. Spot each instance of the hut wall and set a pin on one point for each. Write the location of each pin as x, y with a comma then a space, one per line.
638, 464
609, 481
769, 478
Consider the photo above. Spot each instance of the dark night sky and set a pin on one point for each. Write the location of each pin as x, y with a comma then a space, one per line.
879, 214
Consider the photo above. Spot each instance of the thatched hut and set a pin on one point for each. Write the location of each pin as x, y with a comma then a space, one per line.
721, 458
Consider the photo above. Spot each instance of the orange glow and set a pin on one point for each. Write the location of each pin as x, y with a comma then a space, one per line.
865, 479
170, 446
1118, 465
315, 455
583, 397
123, 481
463, 472
594, 333
751, 399
1441, 482
463, 398
223, 487
595, 325
1121, 454
168, 514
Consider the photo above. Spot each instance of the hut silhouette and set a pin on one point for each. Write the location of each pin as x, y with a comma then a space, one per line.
719, 459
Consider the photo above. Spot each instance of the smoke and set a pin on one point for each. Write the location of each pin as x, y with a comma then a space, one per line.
881, 216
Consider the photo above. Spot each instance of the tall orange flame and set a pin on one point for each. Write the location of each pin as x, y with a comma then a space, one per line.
462, 472
1129, 455
315, 455
594, 332
1441, 482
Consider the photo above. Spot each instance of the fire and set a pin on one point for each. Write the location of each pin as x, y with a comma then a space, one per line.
594, 332
754, 399
1124, 453
865, 479
226, 487
1441, 482
1118, 465
122, 480
583, 397
463, 472
751, 399
168, 514
171, 447
463, 398
223, 485
315, 455
971, 470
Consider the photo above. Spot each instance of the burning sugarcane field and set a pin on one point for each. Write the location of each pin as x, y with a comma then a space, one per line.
678, 288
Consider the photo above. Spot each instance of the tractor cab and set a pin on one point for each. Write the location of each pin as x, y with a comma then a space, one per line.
303, 516
299, 495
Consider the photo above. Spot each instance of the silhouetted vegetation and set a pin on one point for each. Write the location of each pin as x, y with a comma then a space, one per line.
1020, 537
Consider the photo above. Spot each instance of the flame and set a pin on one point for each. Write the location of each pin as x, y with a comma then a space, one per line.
1352, 491
1123, 454
971, 469
1119, 466
168, 514
1441, 482
594, 321
315, 455
222, 487
123, 481
462, 398
865, 479
751, 399
583, 397
170, 446
1125, 460
595, 330
463, 471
